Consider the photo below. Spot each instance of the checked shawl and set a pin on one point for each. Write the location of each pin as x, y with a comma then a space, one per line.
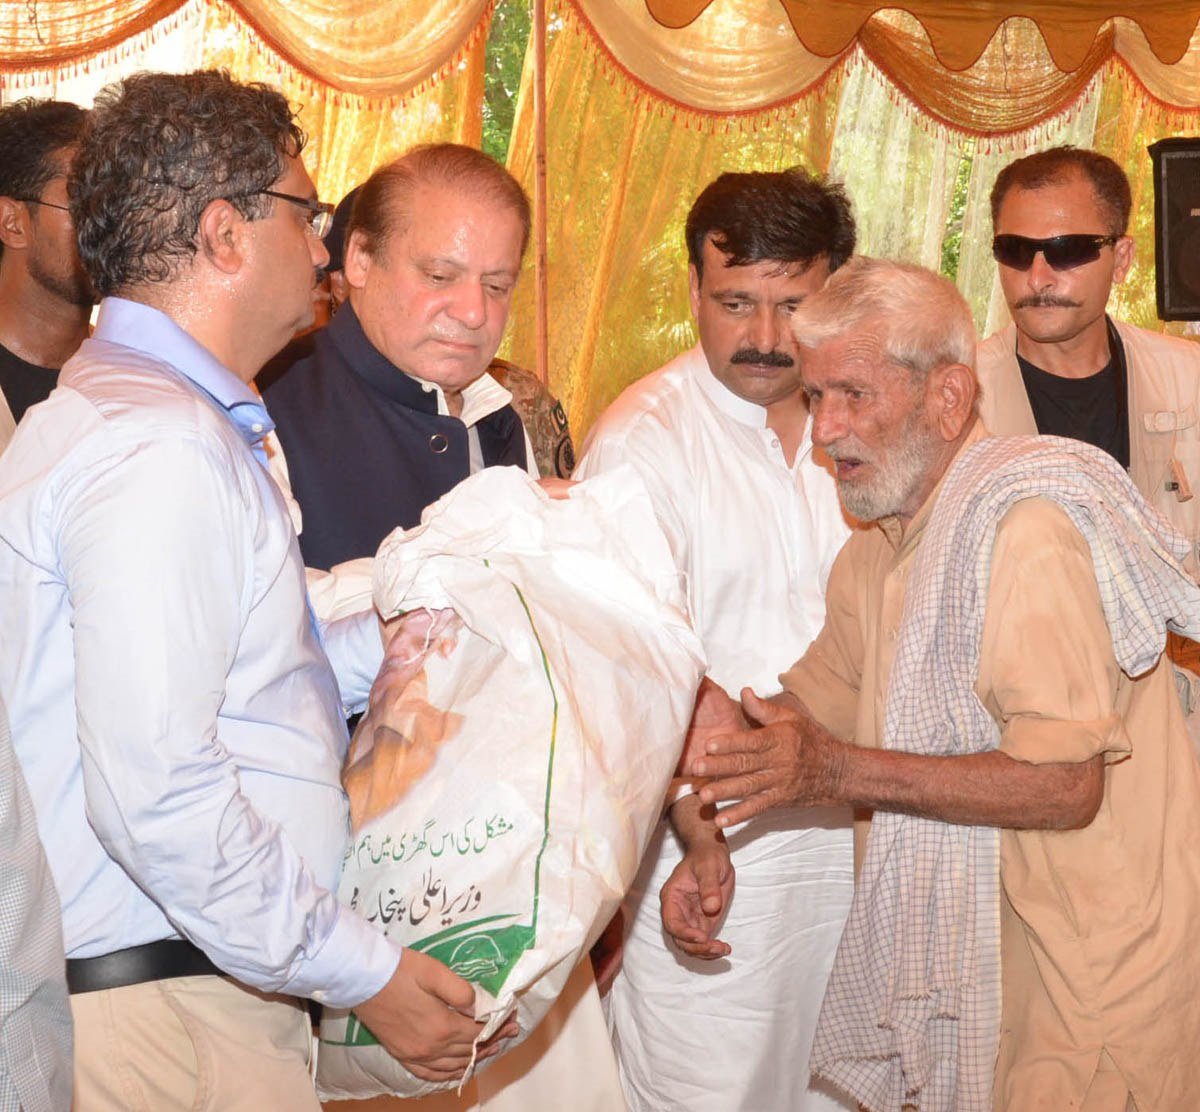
911, 1014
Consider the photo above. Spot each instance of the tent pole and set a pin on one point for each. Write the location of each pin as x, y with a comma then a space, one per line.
541, 277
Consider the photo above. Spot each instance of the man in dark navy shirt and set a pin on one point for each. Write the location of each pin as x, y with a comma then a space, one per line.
390, 406
45, 297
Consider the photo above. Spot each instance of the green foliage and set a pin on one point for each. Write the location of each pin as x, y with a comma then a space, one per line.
952, 241
504, 59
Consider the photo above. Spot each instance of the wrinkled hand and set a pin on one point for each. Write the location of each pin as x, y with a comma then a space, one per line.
714, 715
789, 759
607, 952
694, 900
423, 1018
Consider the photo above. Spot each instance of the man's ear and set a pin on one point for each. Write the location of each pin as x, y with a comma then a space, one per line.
694, 289
952, 393
358, 260
222, 236
14, 224
1123, 252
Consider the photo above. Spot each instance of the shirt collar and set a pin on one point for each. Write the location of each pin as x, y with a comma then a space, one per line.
740, 410
737, 408
150, 331
481, 398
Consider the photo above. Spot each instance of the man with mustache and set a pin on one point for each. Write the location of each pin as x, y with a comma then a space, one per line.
987, 683
1065, 367
721, 438
45, 296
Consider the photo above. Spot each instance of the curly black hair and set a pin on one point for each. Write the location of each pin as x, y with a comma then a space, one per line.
785, 216
159, 148
33, 133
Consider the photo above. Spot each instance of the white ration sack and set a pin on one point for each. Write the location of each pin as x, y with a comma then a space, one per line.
503, 797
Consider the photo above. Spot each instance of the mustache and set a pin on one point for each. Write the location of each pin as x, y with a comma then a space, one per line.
319, 275
762, 358
846, 449
1046, 301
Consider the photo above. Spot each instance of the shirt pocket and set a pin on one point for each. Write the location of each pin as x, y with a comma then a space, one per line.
1171, 451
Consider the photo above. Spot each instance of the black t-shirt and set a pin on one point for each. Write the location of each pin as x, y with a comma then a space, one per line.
24, 384
1093, 409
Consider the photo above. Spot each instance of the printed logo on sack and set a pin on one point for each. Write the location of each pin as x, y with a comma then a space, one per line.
483, 951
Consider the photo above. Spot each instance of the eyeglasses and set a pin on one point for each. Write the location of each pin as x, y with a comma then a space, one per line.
320, 213
39, 201
1060, 252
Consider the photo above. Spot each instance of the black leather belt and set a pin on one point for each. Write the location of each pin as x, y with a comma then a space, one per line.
155, 961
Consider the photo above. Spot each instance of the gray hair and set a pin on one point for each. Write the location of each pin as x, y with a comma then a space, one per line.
922, 319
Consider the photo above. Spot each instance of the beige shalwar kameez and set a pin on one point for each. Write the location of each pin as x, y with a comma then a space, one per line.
1101, 968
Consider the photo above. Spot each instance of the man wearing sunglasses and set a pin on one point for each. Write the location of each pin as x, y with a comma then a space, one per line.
1063, 366
45, 296
1066, 368
176, 709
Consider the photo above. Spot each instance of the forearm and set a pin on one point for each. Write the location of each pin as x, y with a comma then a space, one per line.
978, 789
354, 647
694, 823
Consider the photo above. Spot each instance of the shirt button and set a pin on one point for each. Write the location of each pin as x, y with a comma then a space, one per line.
438, 443
257, 427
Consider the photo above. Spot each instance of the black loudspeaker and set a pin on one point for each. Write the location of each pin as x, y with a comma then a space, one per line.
1177, 227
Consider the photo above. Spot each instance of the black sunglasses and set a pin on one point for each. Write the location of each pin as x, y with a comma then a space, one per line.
1060, 252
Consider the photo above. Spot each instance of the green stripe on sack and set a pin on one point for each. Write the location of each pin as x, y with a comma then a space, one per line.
485, 957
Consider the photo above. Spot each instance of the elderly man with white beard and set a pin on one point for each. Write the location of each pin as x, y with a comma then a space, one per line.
988, 682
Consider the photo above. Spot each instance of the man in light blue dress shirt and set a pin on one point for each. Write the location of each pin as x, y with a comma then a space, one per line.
172, 699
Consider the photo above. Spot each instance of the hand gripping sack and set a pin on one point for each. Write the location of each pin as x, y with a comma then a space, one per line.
503, 797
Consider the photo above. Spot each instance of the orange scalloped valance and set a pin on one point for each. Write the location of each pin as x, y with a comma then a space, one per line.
40, 35
370, 48
959, 32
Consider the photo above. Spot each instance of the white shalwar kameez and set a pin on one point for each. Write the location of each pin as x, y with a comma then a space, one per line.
756, 539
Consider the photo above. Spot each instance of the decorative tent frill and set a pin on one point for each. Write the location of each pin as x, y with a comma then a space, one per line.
732, 58
369, 77
372, 48
958, 34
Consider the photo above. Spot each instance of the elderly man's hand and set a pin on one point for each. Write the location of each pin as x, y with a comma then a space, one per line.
694, 900
789, 759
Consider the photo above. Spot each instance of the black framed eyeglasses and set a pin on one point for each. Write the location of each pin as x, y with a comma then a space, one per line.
320, 213
1060, 252
39, 201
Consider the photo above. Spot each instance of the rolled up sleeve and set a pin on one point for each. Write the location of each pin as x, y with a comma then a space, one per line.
1047, 670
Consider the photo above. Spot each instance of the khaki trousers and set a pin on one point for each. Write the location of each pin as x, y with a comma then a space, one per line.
201, 1043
